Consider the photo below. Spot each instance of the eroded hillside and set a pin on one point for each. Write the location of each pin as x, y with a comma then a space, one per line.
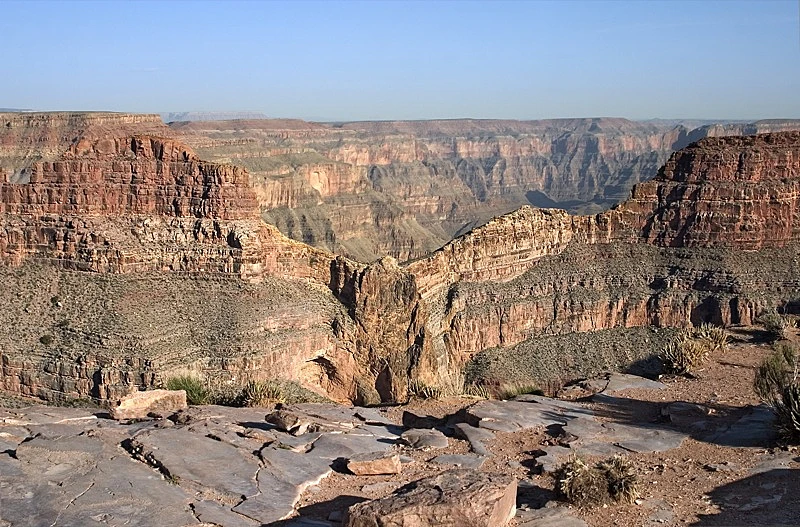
129, 259
405, 188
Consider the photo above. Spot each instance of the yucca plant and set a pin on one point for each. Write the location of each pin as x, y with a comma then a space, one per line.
261, 393
581, 484
682, 355
777, 383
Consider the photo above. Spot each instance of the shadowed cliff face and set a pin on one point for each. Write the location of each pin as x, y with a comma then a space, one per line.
129, 259
405, 188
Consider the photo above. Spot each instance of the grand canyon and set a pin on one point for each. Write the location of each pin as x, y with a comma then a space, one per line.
361, 260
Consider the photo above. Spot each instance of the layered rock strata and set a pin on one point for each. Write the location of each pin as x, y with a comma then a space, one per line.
129, 259
405, 188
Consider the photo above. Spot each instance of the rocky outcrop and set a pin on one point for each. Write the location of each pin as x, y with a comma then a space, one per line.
408, 187
129, 259
740, 192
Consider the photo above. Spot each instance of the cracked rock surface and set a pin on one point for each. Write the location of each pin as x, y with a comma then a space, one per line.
226, 466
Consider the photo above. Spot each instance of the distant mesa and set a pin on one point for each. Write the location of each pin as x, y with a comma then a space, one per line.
210, 116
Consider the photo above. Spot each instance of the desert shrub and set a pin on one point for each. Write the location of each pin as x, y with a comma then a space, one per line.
421, 390
622, 481
581, 484
610, 480
46, 339
452, 383
195, 388
682, 355
777, 382
714, 336
477, 390
509, 391
774, 324
261, 393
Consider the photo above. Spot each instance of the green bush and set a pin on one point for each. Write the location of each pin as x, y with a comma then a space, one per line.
195, 388
262, 393
774, 324
683, 355
777, 383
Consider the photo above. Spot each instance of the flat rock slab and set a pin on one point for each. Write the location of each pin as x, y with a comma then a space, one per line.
374, 463
458, 497
623, 381
194, 458
549, 517
594, 438
526, 411
461, 460
757, 428
554, 457
475, 437
424, 438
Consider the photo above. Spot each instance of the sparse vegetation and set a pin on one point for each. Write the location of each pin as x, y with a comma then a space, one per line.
610, 480
777, 382
509, 391
622, 481
775, 324
478, 390
262, 393
46, 339
419, 389
252, 393
691, 347
195, 388
581, 484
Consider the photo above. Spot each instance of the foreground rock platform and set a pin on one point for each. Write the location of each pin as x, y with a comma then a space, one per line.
229, 466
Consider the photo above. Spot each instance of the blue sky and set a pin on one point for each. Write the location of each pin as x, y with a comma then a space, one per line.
406, 60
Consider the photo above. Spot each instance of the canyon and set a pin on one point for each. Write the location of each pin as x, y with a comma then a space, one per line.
405, 188
127, 259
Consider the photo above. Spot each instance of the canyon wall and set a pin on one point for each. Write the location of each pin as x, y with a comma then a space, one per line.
405, 188
128, 259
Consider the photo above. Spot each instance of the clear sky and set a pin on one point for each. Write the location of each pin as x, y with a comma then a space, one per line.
406, 60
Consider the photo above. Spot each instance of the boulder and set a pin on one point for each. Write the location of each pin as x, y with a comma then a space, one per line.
374, 463
424, 438
455, 498
139, 404
288, 421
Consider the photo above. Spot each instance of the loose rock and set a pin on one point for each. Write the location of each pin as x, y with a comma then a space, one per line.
459, 497
374, 463
139, 404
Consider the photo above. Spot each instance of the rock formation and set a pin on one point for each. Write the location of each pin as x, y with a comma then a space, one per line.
128, 259
405, 188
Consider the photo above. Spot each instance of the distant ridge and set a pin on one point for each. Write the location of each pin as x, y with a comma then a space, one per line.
170, 117
14, 110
